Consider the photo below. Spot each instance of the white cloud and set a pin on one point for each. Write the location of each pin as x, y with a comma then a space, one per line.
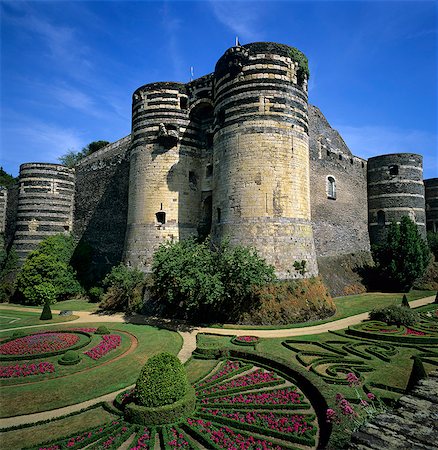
242, 18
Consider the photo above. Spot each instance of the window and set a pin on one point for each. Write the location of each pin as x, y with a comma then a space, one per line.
161, 217
193, 180
218, 215
331, 188
340, 157
393, 170
209, 170
381, 219
183, 102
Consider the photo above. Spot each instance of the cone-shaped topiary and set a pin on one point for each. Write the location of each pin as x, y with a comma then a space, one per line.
405, 302
46, 314
417, 373
162, 381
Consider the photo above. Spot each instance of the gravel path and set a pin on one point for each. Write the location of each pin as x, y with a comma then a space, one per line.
189, 344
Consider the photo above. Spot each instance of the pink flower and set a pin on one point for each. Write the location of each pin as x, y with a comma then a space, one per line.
371, 396
330, 415
352, 379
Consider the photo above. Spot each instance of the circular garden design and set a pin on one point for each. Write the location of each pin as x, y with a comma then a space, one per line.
238, 405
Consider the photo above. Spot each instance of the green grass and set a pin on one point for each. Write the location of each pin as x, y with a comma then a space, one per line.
56, 429
76, 305
199, 368
345, 307
79, 387
8, 319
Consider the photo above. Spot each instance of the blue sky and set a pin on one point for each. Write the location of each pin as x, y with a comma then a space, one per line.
68, 68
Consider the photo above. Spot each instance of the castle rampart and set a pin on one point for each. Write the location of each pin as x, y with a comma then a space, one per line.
431, 197
3, 206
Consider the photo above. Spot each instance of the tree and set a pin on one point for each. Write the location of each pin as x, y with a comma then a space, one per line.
71, 158
46, 275
432, 240
6, 180
201, 281
404, 256
417, 373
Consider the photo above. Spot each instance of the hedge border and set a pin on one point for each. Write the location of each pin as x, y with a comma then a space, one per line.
388, 338
234, 341
244, 368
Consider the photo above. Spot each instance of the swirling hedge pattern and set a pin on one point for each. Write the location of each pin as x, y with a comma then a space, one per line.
232, 412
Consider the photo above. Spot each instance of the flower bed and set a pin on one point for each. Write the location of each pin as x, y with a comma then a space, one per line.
144, 439
226, 370
115, 438
245, 340
25, 370
39, 343
278, 398
257, 378
220, 436
174, 437
108, 343
297, 427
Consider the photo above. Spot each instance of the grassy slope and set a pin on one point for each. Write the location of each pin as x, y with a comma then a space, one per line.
77, 388
27, 318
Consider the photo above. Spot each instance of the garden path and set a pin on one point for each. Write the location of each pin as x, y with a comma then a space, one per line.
189, 344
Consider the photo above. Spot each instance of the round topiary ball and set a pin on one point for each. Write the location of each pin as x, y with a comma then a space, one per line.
162, 381
102, 330
70, 357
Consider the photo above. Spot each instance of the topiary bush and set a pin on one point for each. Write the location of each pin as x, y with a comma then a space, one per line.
162, 381
418, 372
69, 358
46, 313
395, 315
102, 330
18, 334
405, 302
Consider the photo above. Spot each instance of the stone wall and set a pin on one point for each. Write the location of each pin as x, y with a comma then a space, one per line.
431, 198
11, 214
45, 204
339, 217
3, 205
395, 189
101, 204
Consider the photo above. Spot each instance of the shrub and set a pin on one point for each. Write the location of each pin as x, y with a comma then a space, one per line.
102, 330
208, 282
432, 240
403, 257
162, 381
405, 302
95, 293
8, 273
124, 289
69, 358
46, 313
18, 334
395, 315
418, 372
46, 274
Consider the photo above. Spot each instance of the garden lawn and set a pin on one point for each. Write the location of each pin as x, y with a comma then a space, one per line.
103, 379
56, 429
199, 368
15, 319
76, 304
345, 307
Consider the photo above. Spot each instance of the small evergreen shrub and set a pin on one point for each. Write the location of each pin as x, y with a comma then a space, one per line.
418, 372
405, 302
102, 330
18, 334
395, 315
69, 358
46, 313
162, 381
95, 294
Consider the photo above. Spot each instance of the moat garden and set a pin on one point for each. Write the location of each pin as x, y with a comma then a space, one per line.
75, 381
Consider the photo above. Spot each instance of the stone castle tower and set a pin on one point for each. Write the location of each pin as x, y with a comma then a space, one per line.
238, 153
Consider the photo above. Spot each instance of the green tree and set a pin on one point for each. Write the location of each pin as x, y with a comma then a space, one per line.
404, 256
8, 272
71, 158
201, 281
46, 274
6, 180
432, 240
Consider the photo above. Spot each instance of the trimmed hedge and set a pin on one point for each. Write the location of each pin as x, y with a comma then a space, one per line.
162, 381
243, 368
387, 337
395, 315
102, 330
46, 313
69, 358
161, 415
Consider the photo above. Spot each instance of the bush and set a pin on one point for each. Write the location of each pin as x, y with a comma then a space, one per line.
395, 315
46, 313
162, 381
8, 272
432, 240
124, 289
18, 334
46, 274
69, 358
403, 257
95, 294
418, 372
405, 302
201, 282
102, 330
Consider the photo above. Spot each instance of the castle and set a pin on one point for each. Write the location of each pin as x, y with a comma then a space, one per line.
237, 153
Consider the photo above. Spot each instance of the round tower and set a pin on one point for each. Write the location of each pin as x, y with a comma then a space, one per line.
163, 178
261, 154
431, 197
395, 189
45, 204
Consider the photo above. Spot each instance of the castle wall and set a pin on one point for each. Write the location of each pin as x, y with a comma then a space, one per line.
431, 198
11, 214
340, 221
101, 204
395, 189
45, 204
3, 205
261, 156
